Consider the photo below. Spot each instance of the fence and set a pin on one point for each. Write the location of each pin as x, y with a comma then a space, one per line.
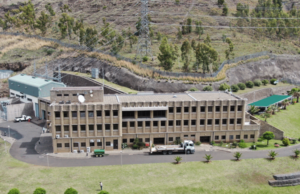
163, 73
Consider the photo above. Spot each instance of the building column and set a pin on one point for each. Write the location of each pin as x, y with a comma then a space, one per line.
151, 122
78, 121
190, 116
95, 120
87, 120
228, 114
111, 113
103, 120
235, 114
70, 122
206, 115
182, 116
62, 121
221, 116
214, 115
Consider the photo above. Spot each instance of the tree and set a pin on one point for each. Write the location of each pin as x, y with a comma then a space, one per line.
14, 191
286, 141
234, 88
50, 9
199, 29
257, 82
138, 26
220, 2
249, 84
207, 40
285, 103
237, 155
178, 159
208, 157
205, 55
117, 45
27, 15
207, 88
265, 82
253, 109
268, 135
193, 45
71, 191
272, 154
224, 87
91, 38
65, 25
189, 25
185, 50
43, 22
165, 56
297, 153
179, 34
296, 93
265, 115
225, 10
229, 52
132, 40
158, 36
65, 9
242, 86
39, 191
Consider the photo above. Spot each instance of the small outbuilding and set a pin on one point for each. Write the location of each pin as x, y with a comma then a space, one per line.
266, 102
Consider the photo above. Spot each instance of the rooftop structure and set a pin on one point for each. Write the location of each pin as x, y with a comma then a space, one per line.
266, 102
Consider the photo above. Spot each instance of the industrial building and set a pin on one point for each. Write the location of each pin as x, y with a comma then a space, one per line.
28, 89
106, 121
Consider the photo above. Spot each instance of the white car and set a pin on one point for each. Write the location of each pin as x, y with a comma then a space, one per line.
23, 118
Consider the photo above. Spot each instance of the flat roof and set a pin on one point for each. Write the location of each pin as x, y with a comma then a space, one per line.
78, 88
31, 80
266, 102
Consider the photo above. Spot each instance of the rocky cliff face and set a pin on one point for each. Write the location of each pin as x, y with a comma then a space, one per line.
18, 66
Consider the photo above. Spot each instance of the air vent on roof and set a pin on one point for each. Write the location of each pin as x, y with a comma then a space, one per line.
174, 96
33, 77
68, 102
61, 102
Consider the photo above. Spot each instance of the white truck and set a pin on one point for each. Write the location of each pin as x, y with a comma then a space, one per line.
23, 118
185, 147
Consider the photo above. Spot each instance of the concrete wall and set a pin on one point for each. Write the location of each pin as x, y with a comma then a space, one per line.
17, 110
267, 127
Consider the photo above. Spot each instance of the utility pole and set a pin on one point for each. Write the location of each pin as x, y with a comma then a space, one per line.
144, 42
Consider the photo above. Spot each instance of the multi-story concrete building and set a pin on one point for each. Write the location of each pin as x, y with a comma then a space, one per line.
107, 121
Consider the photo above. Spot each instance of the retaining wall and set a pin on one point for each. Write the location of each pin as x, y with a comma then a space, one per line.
267, 127
17, 110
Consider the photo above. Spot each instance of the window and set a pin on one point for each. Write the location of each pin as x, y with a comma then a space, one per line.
225, 108
178, 122
239, 121
58, 95
159, 113
107, 143
186, 122
170, 123
224, 122
245, 136
178, 109
171, 110
74, 128
107, 126
116, 126
91, 114
82, 114
82, 128
91, 127
18, 96
202, 109
147, 123
66, 94
238, 137
186, 109
143, 114
131, 140
12, 93
74, 114
240, 108
99, 127
217, 108
75, 145
186, 135
223, 137
217, 121
231, 137
115, 113
66, 128
57, 114
74, 94
67, 145
171, 139
59, 145
107, 113
99, 113
162, 123
217, 137
210, 109
128, 114
57, 128
147, 139
209, 121
29, 99
232, 108
231, 121
202, 122
193, 135
194, 109
99, 144
92, 144
193, 122
140, 123
82, 144
140, 139
66, 114
124, 124
177, 138
132, 124
155, 123
124, 141
252, 136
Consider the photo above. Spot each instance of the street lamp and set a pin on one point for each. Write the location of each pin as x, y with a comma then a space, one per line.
8, 131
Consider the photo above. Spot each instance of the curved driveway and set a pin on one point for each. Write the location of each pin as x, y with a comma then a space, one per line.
27, 134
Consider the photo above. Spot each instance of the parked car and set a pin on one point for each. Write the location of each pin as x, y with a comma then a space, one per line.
23, 118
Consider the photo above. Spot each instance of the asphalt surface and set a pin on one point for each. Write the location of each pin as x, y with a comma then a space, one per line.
27, 134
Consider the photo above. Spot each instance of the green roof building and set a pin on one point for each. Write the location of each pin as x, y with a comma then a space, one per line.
266, 102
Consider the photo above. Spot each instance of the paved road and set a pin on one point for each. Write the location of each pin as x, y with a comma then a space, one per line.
27, 134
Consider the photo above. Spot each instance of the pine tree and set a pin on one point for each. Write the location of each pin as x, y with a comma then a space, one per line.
179, 34
185, 49
65, 9
91, 38
225, 10
207, 40
205, 55
50, 9
27, 15
65, 25
165, 56
189, 25
43, 22
229, 52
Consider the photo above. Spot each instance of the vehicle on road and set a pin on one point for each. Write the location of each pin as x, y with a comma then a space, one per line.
23, 118
186, 146
99, 153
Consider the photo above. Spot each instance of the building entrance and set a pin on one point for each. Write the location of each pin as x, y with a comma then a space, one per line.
115, 144
205, 139
159, 140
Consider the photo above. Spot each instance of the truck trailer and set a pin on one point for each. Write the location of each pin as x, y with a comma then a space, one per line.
186, 146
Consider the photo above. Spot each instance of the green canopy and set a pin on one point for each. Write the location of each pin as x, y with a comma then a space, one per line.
266, 102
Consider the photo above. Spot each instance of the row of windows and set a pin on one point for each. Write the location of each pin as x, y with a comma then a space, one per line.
144, 114
231, 137
68, 95
203, 109
82, 114
83, 127
83, 144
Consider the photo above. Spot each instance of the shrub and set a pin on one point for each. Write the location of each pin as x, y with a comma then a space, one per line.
224, 87
234, 144
272, 81
297, 153
257, 82
242, 145
39, 191
260, 139
135, 146
268, 135
71, 191
50, 51
207, 88
14, 191
273, 154
221, 143
212, 142
286, 141
242, 141
242, 86
193, 89
237, 155
249, 84
208, 157
103, 192
294, 141
265, 82
178, 159
198, 143
235, 88
145, 58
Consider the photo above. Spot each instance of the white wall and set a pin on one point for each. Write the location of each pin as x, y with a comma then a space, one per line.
25, 99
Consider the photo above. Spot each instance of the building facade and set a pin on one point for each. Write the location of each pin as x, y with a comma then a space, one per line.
107, 121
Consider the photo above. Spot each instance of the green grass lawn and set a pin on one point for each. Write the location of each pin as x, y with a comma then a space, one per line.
287, 121
246, 176
113, 85
261, 87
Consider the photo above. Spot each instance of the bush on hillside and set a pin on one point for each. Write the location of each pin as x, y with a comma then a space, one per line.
272, 81
71, 191
207, 88
14, 191
234, 88
39, 191
224, 87
265, 82
242, 86
249, 84
286, 141
257, 82
103, 192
